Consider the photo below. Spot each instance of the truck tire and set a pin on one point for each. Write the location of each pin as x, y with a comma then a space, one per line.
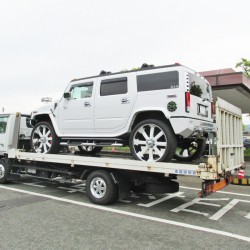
89, 150
4, 171
100, 188
190, 150
44, 139
152, 140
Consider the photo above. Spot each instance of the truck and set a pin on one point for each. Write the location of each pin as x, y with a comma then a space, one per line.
109, 178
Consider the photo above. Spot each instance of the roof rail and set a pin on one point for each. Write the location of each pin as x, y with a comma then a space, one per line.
103, 72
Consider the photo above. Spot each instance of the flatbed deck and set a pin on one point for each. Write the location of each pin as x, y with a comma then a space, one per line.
112, 162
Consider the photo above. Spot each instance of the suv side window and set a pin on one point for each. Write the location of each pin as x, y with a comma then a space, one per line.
156, 81
113, 86
81, 91
3, 124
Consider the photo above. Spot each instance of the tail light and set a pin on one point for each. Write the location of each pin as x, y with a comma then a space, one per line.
187, 97
212, 109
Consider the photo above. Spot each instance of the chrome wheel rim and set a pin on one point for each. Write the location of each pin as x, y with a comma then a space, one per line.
2, 171
98, 187
149, 142
42, 139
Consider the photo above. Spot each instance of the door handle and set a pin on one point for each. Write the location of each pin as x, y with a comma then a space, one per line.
87, 104
124, 101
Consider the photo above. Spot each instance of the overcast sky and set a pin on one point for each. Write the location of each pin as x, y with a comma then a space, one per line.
46, 43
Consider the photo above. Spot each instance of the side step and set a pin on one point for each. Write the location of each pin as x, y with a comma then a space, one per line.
93, 144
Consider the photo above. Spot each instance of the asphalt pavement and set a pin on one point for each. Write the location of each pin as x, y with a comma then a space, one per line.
37, 214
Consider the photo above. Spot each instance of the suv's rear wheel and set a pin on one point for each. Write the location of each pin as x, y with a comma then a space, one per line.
190, 149
44, 139
152, 140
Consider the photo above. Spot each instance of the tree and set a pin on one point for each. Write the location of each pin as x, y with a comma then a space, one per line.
245, 65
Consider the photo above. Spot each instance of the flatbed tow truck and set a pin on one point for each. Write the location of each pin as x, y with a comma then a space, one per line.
111, 178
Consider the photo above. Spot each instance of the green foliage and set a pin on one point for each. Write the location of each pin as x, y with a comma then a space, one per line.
247, 152
195, 89
245, 65
243, 127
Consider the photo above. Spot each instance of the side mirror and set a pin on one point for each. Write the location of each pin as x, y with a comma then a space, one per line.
67, 95
46, 99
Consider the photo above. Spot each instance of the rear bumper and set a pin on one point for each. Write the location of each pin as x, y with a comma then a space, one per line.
186, 126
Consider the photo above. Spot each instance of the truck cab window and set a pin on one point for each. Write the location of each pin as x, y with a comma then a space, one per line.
3, 124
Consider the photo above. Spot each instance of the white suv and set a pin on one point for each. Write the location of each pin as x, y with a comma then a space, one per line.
160, 112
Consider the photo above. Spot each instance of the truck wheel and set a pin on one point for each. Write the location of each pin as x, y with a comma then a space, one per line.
100, 188
189, 150
152, 140
4, 171
44, 139
89, 150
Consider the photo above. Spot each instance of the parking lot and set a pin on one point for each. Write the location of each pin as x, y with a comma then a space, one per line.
37, 214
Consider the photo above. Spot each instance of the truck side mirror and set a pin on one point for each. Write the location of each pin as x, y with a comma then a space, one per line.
67, 95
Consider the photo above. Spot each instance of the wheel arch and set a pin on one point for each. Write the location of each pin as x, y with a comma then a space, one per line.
45, 117
152, 114
41, 118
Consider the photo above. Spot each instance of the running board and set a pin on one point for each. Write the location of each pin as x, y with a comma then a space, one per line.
85, 144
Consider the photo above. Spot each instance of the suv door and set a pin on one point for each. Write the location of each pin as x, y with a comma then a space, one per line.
76, 114
114, 102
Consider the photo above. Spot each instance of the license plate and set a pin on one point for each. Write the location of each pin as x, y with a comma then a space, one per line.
202, 110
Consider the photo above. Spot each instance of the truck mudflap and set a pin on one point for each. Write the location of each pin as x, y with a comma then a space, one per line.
212, 186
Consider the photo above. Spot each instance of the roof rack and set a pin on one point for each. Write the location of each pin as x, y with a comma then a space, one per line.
145, 65
103, 72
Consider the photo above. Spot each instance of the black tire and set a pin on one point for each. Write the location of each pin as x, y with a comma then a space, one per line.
44, 139
190, 150
154, 143
4, 171
100, 188
168, 187
89, 150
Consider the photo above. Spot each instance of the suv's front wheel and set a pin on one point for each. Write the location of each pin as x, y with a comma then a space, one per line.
44, 139
152, 140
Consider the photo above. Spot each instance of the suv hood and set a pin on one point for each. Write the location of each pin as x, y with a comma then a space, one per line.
45, 109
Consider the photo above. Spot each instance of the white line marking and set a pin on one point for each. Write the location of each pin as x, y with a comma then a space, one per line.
135, 215
226, 208
125, 201
135, 196
31, 184
151, 197
72, 190
168, 197
197, 201
222, 192
247, 216
195, 212
81, 185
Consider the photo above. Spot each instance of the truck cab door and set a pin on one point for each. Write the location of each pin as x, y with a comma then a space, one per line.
3, 128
